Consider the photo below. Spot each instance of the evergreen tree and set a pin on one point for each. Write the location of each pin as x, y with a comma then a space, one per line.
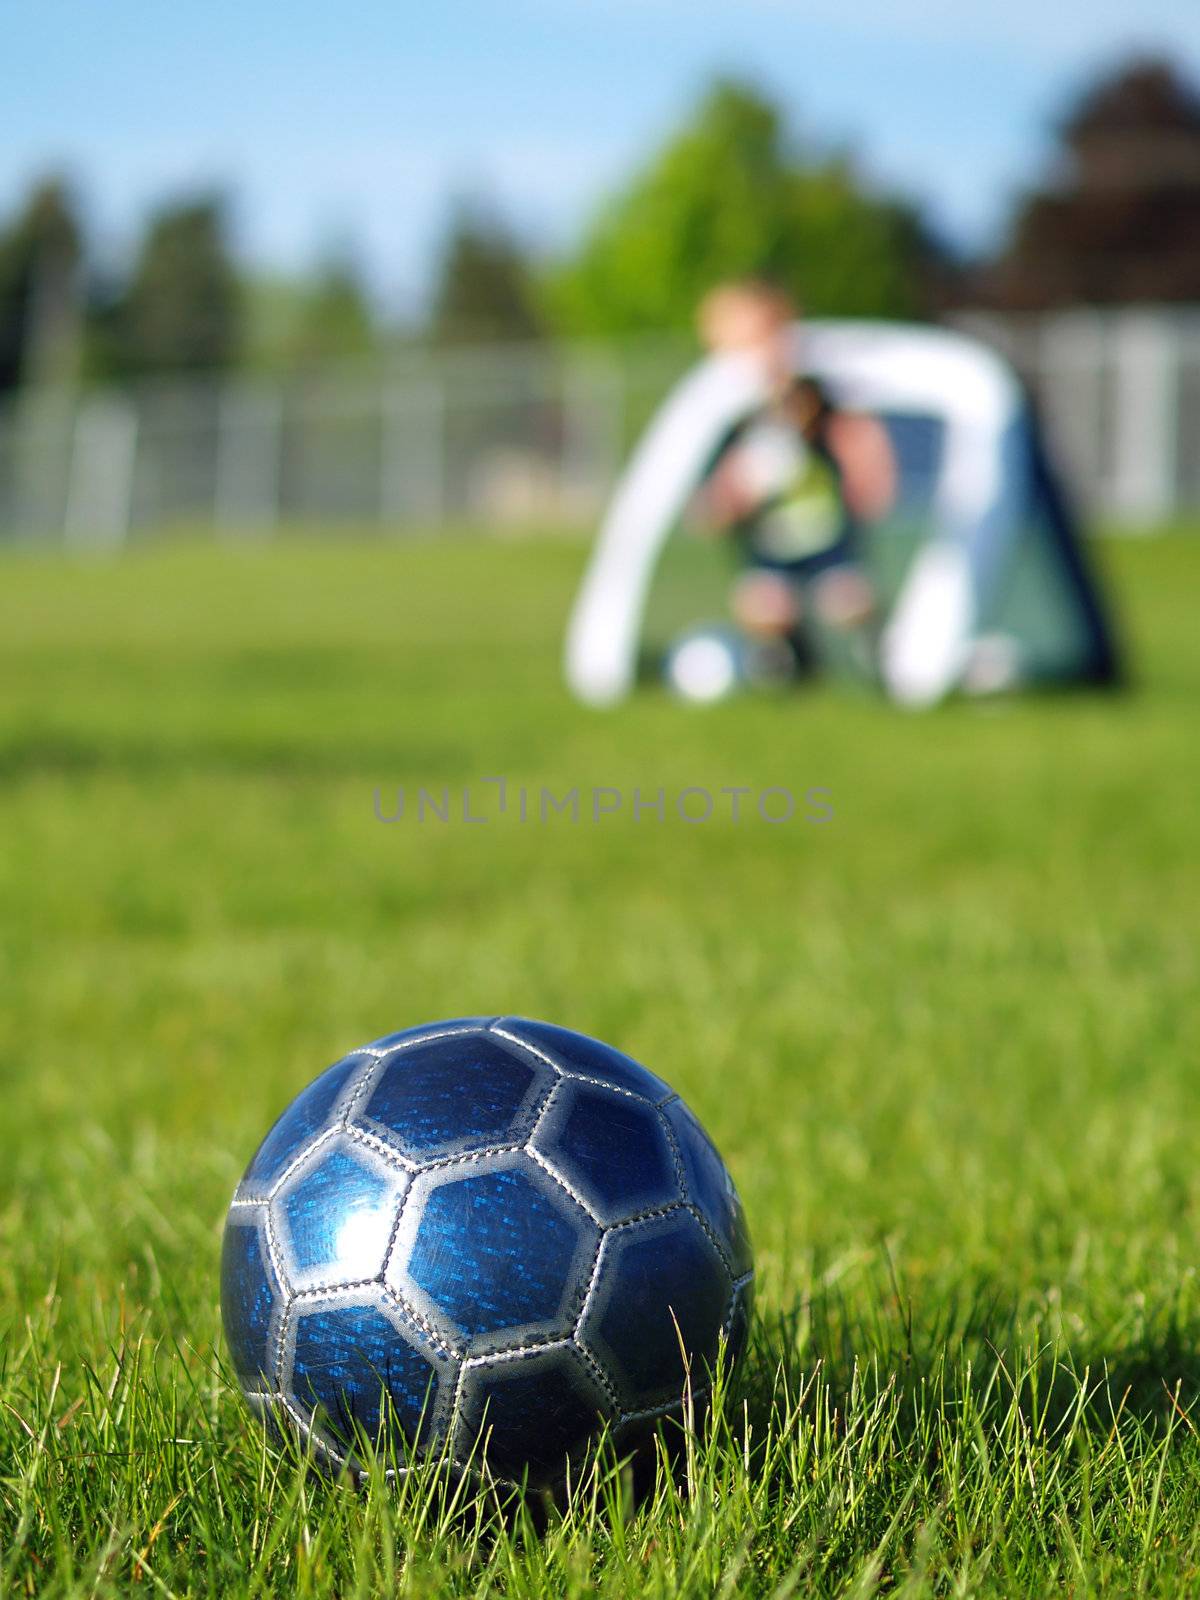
181, 309
40, 259
1118, 220
306, 321
483, 288
335, 320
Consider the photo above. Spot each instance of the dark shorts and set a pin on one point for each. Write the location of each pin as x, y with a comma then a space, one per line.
843, 553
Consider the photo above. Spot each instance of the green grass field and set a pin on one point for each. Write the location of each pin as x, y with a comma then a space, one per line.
946, 1041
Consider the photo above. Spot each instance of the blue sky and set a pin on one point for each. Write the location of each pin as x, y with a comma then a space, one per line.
354, 122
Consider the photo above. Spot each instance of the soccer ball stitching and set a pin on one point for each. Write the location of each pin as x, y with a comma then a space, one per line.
455, 1362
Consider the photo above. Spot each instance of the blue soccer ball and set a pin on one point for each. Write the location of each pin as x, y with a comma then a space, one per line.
491, 1235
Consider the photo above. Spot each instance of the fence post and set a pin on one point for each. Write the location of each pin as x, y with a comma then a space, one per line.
1145, 416
249, 458
42, 443
103, 458
593, 400
1072, 368
412, 456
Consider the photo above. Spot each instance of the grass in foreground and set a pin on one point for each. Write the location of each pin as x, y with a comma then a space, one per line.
944, 1041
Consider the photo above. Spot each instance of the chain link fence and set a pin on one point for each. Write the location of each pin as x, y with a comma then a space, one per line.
1119, 395
520, 437
506, 437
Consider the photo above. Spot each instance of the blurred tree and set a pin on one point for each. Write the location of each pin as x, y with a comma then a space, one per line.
335, 319
180, 311
40, 289
1119, 218
295, 321
483, 285
730, 195
273, 306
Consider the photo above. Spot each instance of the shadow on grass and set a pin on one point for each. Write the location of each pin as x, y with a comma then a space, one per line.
979, 1352
875, 1381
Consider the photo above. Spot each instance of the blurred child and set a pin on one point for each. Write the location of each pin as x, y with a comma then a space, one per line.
795, 485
